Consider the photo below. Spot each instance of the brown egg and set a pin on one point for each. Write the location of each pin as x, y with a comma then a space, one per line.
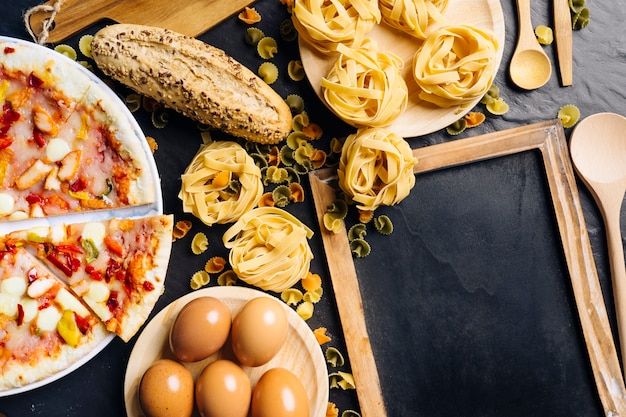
259, 331
279, 393
166, 389
200, 329
223, 390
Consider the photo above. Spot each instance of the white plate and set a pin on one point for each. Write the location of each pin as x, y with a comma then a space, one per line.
420, 118
144, 210
301, 353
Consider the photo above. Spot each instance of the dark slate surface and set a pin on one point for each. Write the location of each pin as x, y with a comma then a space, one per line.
468, 301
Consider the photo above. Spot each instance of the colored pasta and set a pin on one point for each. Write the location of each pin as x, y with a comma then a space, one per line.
365, 87
207, 188
455, 65
269, 248
376, 168
416, 17
324, 24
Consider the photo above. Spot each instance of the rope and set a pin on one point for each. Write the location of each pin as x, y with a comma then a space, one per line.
53, 9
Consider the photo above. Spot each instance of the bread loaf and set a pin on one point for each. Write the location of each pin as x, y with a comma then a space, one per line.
193, 78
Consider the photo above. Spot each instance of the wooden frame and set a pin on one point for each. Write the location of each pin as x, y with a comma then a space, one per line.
547, 137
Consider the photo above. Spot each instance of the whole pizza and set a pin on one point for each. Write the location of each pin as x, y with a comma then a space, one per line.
73, 273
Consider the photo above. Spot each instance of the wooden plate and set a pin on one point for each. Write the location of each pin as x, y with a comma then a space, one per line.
420, 118
301, 353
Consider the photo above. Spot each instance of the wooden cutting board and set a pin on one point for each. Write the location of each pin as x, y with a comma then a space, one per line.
189, 17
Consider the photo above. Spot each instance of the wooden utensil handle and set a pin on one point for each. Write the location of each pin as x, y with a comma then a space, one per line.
84, 13
563, 35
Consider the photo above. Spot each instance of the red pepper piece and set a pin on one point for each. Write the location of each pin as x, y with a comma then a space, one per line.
34, 81
32, 275
94, 273
68, 248
20, 314
38, 138
82, 323
113, 302
9, 50
34, 199
56, 261
148, 286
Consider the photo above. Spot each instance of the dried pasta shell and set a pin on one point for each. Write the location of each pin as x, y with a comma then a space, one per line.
269, 248
199, 279
350, 413
360, 248
287, 30
267, 200
295, 70
84, 45
569, 115
199, 243
268, 71
334, 357
343, 380
357, 231
267, 47
295, 103
376, 168
365, 87
215, 265
415, 17
338, 209
305, 310
249, 15
281, 195
325, 24
297, 192
291, 296
66, 50
544, 35
213, 204
474, 118
313, 131
497, 107
383, 225
457, 127
332, 224
253, 36
321, 336
133, 102
311, 282
313, 296
580, 19
181, 228
227, 278
455, 65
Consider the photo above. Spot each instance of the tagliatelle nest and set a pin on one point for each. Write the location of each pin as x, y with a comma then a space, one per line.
325, 24
455, 65
414, 17
221, 183
376, 168
269, 248
365, 87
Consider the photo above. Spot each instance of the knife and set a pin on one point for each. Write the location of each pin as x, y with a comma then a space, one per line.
563, 36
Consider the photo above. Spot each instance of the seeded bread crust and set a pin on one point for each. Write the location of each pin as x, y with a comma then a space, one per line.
193, 78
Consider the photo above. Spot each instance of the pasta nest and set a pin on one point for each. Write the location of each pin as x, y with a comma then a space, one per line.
414, 17
365, 87
376, 168
455, 65
325, 23
221, 183
269, 248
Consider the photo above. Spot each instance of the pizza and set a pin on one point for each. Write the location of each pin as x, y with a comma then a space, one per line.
109, 273
74, 273
65, 146
43, 326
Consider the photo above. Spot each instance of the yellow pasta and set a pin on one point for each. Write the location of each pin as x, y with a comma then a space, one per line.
181, 228
326, 23
214, 201
269, 248
455, 65
199, 243
416, 17
365, 87
215, 265
376, 168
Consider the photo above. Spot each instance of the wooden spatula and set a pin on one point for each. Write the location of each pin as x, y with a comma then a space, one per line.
189, 17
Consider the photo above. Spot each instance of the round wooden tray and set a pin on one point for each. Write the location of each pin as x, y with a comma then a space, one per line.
420, 118
301, 353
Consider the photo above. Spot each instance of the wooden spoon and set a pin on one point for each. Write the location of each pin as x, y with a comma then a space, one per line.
530, 67
598, 150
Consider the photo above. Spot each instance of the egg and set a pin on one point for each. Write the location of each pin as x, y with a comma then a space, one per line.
259, 331
166, 389
200, 329
279, 393
223, 389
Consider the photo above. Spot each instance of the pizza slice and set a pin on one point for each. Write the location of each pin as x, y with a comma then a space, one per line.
66, 145
116, 266
44, 328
